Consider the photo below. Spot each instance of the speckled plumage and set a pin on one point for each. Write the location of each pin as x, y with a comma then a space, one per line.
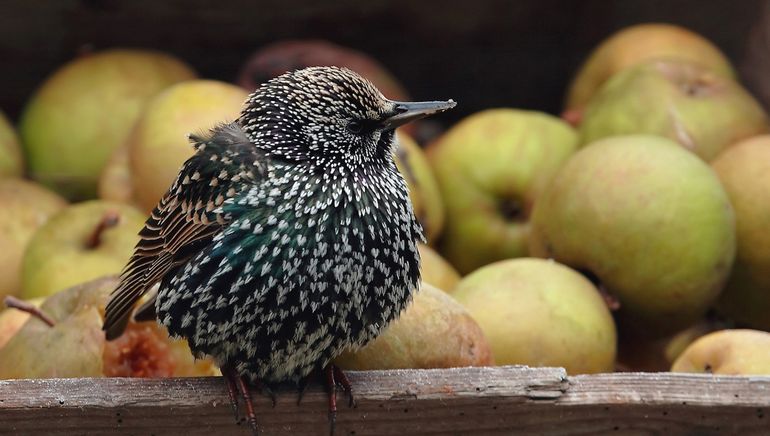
289, 235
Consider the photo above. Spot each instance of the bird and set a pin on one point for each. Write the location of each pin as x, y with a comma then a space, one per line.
287, 238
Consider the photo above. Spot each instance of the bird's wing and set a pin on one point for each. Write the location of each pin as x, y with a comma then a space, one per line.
187, 217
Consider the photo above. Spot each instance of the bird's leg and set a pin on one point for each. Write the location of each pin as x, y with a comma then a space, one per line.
303, 384
235, 382
343, 380
335, 376
232, 389
246, 394
332, 385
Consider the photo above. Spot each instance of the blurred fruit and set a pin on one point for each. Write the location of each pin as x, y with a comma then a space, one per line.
649, 220
11, 321
85, 110
159, 145
288, 55
636, 44
434, 331
744, 170
423, 188
540, 313
491, 168
727, 352
692, 105
435, 270
75, 346
25, 207
11, 163
115, 180
82, 242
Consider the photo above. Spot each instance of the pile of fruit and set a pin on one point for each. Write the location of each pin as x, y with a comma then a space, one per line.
631, 233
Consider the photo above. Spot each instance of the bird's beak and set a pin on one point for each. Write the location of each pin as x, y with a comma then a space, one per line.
406, 112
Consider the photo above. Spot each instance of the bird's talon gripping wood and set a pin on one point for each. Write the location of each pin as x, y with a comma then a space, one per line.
288, 237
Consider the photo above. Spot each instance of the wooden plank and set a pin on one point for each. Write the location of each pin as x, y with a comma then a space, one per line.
500, 400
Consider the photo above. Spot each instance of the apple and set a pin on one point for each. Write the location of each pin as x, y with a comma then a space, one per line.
11, 162
435, 270
690, 104
637, 44
539, 313
85, 109
491, 167
115, 183
423, 188
744, 170
649, 220
279, 57
727, 352
73, 345
12, 319
159, 144
82, 242
434, 331
25, 207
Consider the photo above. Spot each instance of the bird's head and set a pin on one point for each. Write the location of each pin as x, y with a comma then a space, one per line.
328, 115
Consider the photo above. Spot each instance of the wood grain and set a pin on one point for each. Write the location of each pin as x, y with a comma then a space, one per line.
501, 400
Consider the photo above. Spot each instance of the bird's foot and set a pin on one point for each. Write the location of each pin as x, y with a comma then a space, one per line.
335, 377
236, 384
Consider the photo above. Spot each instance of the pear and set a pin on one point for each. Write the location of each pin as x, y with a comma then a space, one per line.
636, 44
540, 313
73, 345
744, 170
25, 207
690, 104
85, 110
727, 352
434, 331
115, 182
491, 168
159, 145
646, 219
82, 242
11, 162
423, 188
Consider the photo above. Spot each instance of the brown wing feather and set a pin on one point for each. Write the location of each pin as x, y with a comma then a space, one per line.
186, 215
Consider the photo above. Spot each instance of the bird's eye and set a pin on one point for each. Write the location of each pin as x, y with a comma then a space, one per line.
355, 127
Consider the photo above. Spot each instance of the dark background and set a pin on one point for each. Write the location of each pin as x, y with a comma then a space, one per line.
481, 53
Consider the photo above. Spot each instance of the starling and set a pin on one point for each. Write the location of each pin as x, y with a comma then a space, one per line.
287, 237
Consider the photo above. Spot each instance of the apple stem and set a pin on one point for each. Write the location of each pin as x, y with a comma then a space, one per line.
110, 219
18, 304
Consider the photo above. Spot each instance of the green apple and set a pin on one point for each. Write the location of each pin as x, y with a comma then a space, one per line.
82, 242
423, 188
85, 110
435, 270
744, 170
690, 104
490, 169
649, 220
11, 163
159, 145
636, 44
434, 331
539, 313
727, 352
25, 207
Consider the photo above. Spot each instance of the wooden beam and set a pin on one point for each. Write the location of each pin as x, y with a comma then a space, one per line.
499, 400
